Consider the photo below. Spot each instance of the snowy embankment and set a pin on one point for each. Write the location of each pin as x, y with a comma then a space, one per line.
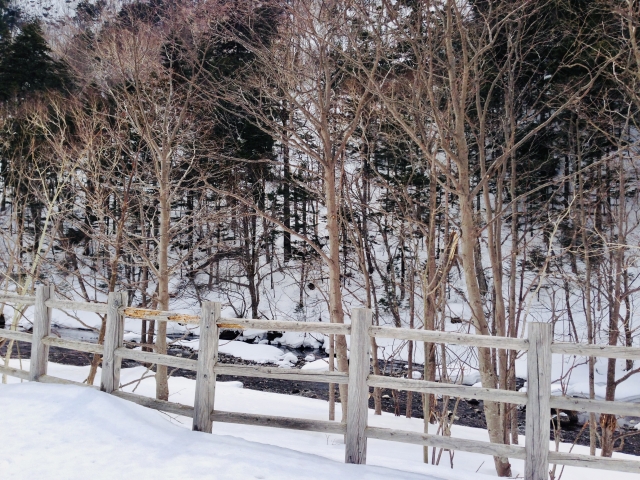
69, 432
82, 433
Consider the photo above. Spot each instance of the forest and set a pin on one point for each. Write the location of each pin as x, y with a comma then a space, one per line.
452, 165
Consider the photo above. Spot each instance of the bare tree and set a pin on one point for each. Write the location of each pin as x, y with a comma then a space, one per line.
296, 67
149, 70
444, 99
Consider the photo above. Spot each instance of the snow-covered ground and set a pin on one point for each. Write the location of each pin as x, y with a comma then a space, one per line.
76, 431
69, 432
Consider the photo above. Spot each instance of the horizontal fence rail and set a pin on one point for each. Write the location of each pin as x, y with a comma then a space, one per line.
73, 345
15, 372
596, 406
15, 335
430, 336
282, 326
601, 463
77, 306
159, 315
606, 351
538, 398
25, 300
279, 422
450, 443
282, 374
450, 389
156, 358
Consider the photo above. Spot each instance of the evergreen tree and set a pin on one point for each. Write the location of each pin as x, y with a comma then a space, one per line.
27, 65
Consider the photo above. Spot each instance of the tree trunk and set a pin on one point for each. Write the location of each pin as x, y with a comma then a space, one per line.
336, 312
162, 381
608, 422
487, 374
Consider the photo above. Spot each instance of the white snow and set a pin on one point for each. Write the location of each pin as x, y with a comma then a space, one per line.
251, 333
320, 364
69, 432
288, 360
35, 415
300, 339
254, 352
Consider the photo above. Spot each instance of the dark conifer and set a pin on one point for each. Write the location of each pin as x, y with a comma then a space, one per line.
27, 65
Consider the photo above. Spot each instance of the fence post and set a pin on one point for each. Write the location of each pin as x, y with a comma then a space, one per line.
358, 392
41, 329
536, 465
207, 359
110, 379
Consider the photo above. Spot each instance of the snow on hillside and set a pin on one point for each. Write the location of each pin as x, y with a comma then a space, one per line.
56, 12
84, 431
49, 10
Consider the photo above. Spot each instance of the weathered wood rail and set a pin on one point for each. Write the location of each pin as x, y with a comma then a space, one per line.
538, 399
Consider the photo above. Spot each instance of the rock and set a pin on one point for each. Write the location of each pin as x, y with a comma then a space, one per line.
273, 335
230, 334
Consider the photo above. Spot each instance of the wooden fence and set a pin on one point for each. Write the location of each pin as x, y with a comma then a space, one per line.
538, 399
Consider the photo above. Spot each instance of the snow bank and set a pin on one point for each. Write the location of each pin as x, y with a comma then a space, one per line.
322, 364
254, 352
300, 339
248, 351
69, 432
176, 451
